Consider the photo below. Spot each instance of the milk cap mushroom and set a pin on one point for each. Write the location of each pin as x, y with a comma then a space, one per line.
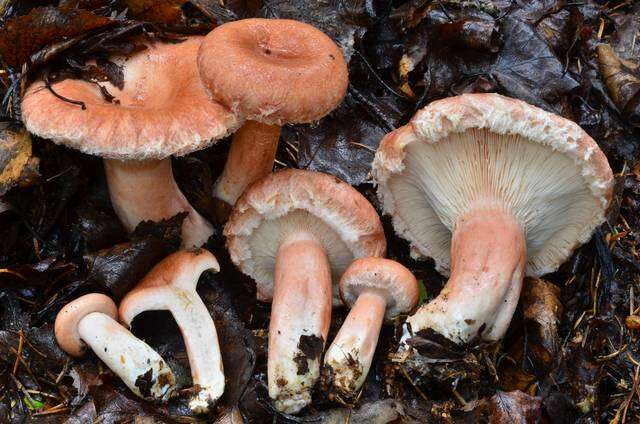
295, 232
90, 320
273, 72
162, 110
375, 289
171, 285
491, 188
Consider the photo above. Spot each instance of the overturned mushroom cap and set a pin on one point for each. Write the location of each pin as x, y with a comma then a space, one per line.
66, 325
274, 71
341, 219
475, 148
163, 108
388, 278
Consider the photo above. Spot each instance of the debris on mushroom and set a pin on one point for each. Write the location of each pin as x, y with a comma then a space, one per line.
136, 128
375, 289
272, 71
295, 232
90, 321
491, 188
171, 285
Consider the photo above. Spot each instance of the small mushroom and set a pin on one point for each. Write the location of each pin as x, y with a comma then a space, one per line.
295, 232
375, 289
161, 110
272, 71
171, 286
491, 188
91, 320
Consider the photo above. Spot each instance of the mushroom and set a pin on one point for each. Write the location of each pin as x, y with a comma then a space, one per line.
171, 286
491, 188
162, 110
294, 232
272, 71
91, 320
375, 289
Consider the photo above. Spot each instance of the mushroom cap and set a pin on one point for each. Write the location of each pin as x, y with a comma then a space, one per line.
179, 271
164, 108
274, 71
387, 278
66, 325
336, 214
478, 149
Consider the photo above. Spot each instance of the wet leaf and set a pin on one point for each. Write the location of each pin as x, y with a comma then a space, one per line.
21, 37
515, 408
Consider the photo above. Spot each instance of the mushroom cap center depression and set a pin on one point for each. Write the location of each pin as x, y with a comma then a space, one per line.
543, 188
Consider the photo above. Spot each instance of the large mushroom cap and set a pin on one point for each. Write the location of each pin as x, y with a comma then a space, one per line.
274, 71
387, 278
475, 148
164, 109
289, 201
66, 325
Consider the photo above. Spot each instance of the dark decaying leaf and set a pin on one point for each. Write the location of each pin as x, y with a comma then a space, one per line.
25, 35
119, 268
515, 408
158, 11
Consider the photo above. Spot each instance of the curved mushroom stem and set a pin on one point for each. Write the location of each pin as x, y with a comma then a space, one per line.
251, 156
350, 355
135, 362
201, 340
488, 256
146, 190
300, 318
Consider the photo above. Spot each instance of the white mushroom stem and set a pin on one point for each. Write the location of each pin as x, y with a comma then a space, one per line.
146, 190
300, 315
351, 353
251, 156
488, 257
127, 356
199, 335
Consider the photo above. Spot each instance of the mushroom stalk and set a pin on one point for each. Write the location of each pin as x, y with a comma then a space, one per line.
251, 156
146, 190
139, 366
488, 257
300, 318
351, 353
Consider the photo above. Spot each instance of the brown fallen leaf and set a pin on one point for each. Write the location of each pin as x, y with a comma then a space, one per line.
22, 36
157, 11
622, 78
514, 408
15, 157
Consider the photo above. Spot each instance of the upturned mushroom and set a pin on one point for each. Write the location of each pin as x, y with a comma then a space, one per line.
90, 320
271, 71
491, 188
295, 232
163, 109
171, 285
374, 289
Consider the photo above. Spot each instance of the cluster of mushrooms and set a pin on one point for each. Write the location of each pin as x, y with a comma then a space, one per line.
489, 187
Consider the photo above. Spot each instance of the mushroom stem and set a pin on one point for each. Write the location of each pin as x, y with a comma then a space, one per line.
201, 340
251, 156
351, 353
300, 318
488, 257
139, 366
146, 190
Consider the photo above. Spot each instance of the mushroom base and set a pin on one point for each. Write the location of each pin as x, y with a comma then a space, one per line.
348, 359
146, 190
251, 157
488, 257
300, 318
